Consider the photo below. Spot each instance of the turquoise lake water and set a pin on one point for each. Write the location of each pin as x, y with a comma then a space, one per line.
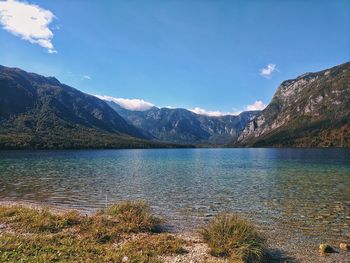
306, 188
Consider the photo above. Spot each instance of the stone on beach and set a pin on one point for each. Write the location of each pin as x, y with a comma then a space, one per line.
325, 248
344, 246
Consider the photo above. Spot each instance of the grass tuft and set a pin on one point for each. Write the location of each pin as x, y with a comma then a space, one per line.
233, 238
134, 216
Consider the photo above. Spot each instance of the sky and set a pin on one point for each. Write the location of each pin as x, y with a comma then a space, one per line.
212, 57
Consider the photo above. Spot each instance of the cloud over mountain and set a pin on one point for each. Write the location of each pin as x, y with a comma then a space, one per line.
129, 104
142, 105
257, 105
212, 113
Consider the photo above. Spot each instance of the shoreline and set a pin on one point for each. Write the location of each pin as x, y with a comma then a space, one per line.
283, 245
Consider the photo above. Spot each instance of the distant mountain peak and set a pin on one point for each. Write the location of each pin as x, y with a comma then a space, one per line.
178, 125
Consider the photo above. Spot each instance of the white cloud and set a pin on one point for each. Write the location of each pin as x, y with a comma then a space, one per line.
29, 22
268, 70
141, 105
201, 111
129, 104
257, 105
86, 77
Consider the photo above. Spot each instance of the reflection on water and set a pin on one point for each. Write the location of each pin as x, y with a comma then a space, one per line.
304, 188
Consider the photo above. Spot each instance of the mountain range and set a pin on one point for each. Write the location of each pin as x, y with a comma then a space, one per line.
39, 112
184, 126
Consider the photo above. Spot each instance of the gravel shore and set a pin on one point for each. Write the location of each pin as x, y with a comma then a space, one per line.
284, 244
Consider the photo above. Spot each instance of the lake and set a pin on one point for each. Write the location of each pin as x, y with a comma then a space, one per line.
305, 189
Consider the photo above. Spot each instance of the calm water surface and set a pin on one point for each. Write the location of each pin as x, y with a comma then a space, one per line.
306, 188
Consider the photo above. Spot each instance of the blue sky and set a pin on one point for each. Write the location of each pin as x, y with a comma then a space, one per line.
206, 54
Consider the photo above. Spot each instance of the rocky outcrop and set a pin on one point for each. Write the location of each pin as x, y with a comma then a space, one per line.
309, 111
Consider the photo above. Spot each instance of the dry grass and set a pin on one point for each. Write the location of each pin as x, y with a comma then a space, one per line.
35, 221
134, 216
148, 248
233, 238
34, 235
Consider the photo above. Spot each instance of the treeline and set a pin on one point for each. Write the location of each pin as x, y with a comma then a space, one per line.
76, 140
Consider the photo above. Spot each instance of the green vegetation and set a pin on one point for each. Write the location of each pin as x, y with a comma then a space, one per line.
123, 230
74, 139
304, 133
233, 238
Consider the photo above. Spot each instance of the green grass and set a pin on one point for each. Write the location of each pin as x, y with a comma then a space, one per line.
233, 238
128, 229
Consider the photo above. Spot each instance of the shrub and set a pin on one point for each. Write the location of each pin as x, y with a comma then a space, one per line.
134, 216
234, 238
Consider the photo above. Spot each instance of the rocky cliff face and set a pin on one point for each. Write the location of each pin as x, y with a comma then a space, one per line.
312, 110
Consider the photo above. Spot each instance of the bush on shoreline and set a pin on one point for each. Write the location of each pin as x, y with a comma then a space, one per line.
134, 216
233, 238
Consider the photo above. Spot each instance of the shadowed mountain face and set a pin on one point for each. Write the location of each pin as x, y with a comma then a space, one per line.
184, 126
41, 112
312, 110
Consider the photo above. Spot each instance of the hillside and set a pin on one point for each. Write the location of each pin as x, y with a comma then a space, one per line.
312, 110
40, 112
